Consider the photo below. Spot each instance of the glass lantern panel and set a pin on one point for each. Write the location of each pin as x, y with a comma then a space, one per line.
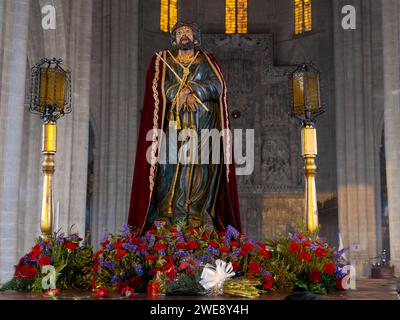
52, 89
298, 93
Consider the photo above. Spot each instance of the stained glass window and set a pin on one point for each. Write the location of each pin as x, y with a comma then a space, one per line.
168, 14
302, 16
236, 16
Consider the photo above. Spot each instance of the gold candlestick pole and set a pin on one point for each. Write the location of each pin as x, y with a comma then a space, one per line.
309, 153
51, 99
49, 148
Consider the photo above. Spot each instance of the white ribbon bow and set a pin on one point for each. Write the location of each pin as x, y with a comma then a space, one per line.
211, 276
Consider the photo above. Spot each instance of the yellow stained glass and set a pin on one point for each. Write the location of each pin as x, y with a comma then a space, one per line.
307, 15
173, 13
298, 16
164, 15
230, 16
242, 16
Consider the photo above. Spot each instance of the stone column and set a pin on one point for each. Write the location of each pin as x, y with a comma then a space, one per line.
15, 19
391, 71
355, 128
114, 112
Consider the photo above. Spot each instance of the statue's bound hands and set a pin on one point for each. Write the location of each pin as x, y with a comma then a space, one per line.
191, 104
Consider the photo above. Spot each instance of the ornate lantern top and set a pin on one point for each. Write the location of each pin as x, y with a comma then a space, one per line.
50, 95
306, 101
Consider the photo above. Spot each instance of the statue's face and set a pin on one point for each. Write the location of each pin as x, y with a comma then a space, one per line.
184, 36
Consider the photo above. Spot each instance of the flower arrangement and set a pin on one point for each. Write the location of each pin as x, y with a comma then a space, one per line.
70, 262
301, 261
175, 260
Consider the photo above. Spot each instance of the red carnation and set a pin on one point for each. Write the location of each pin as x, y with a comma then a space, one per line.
119, 244
320, 252
260, 244
235, 244
300, 236
329, 268
103, 293
223, 249
105, 243
44, 261
98, 253
150, 257
173, 230
127, 292
71, 246
222, 234
248, 246
150, 232
120, 254
159, 247
315, 276
192, 245
142, 246
213, 244
254, 267
204, 237
28, 272
236, 266
244, 253
268, 282
305, 256
35, 252
181, 245
294, 247
264, 253
306, 243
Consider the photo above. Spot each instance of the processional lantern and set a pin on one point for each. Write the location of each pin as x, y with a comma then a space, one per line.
50, 98
306, 106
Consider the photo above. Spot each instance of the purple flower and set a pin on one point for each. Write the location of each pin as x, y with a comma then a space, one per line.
213, 250
109, 246
115, 280
182, 253
128, 246
162, 252
139, 271
232, 232
265, 273
59, 240
105, 237
126, 231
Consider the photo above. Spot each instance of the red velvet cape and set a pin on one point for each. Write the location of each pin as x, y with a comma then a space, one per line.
144, 177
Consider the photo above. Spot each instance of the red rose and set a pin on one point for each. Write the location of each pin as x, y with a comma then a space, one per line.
329, 268
244, 253
294, 247
264, 253
204, 237
159, 247
173, 230
268, 282
127, 292
120, 254
192, 245
223, 249
135, 241
213, 244
150, 257
119, 244
315, 276
142, 246
254, 267
300, 236
305, 256
71, 246
235, 244
103, 293
236, 266
248, 246
28, 272
320, 252
44, 261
